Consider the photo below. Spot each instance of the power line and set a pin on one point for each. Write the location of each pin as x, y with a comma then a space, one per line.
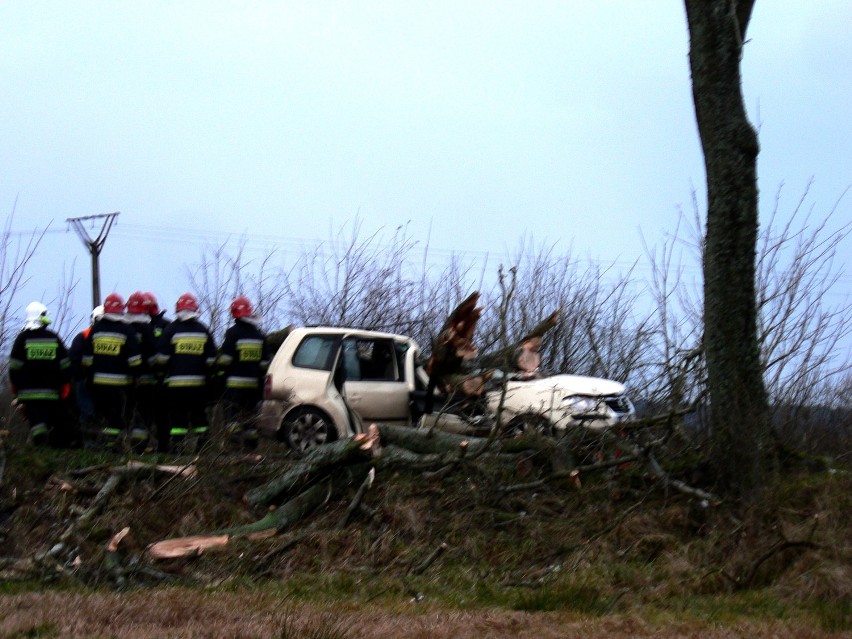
266, 242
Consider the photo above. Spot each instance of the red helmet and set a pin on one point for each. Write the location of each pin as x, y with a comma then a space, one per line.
241, 307
151, 306
136, 303
114, 303
186, 302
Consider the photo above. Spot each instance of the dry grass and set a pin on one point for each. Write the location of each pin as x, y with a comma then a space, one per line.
190, 614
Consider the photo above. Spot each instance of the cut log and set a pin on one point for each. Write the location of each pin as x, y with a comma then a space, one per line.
186, 546
317, 462
422, 441
117, 538
187, 470
288, 513
371, 443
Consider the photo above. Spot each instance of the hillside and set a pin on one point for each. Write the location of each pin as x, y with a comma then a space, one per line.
478, 543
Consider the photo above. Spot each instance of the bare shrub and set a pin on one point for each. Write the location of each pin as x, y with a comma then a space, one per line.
800, 331
224, 273
354, 281
802, 334
598, 332
375, 282
673, 373
16, 252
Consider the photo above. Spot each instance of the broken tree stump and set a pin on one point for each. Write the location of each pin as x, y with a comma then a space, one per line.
524, 354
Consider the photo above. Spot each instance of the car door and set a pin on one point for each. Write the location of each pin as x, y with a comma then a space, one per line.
375, 386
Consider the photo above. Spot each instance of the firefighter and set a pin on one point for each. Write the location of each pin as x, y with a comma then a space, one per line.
141, 406
242, 365
158, 320
160, 413
40, 376
112, 359
82, 397
187, 353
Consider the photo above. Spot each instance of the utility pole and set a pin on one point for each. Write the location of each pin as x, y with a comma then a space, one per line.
94, 245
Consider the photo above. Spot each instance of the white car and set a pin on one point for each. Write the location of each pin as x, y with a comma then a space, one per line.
326, 383
558, 402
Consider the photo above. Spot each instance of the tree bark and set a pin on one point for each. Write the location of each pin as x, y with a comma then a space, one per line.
318, 462
739, 408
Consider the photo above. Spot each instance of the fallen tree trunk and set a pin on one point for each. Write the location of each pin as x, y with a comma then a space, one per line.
288, 513
422, 441
454, 342
318, 461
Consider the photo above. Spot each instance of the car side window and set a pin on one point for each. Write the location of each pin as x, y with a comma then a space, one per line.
317, 352
351, 363
370, 360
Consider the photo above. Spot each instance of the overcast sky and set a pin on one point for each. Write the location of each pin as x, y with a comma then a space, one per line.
475, 123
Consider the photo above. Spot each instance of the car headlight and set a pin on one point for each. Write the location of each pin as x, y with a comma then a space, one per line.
579, 404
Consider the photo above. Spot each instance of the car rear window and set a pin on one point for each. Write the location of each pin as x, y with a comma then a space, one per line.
317, 352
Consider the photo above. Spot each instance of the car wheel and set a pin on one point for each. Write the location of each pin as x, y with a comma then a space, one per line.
528, 423
308, 428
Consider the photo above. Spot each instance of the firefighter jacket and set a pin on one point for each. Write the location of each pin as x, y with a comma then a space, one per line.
159, 323
75, 354
38, 365
244, 357
147, 347
111, 353
187, 354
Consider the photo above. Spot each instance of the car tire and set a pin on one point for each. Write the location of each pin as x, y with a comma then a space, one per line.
528, 423
307, 428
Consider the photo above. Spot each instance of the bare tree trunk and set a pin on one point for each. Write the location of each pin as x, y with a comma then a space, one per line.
739, 418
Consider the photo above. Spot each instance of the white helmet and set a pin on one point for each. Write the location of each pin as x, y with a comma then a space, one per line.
97, 313
36, 316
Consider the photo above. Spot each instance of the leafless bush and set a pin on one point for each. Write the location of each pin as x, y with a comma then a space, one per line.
598, 332
224, 273
367, 282
673, 373
16, 252
375, 282
61, 304
354, 281
389, 282
801, 333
